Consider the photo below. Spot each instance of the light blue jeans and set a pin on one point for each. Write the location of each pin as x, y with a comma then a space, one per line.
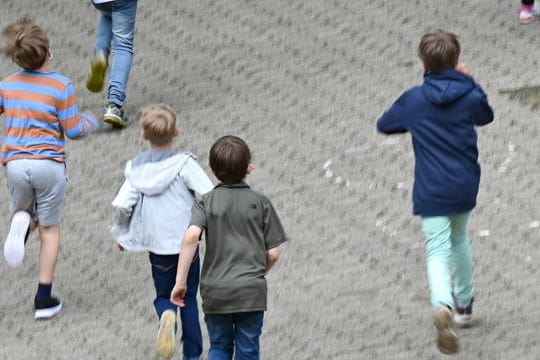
117, 28
448, 259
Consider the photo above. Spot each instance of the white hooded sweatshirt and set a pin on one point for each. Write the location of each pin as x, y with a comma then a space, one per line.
152, 209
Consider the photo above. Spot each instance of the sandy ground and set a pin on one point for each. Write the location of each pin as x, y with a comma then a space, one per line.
303, 82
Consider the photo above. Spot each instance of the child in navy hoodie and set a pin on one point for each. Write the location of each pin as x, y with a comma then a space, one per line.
441, 116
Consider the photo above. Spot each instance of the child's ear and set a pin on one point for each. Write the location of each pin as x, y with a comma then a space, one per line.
250, 168
176, 131
143, 135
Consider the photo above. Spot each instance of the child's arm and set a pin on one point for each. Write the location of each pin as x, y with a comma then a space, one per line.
483, 114
187, 252
391, 122
195, 178
126, 198
274, 234
75, 126
272, 256
123, 204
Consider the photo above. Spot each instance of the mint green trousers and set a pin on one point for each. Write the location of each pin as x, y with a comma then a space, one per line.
448, 259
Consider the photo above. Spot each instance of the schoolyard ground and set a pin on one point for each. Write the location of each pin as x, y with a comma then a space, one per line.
303, 82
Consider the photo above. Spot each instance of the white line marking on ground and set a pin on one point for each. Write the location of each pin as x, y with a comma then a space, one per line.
336, 179
509, 158
483, 233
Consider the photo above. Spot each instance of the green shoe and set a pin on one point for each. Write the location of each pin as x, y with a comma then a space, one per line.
114, 115
96, 76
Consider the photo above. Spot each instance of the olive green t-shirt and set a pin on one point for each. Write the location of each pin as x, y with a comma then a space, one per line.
241, 225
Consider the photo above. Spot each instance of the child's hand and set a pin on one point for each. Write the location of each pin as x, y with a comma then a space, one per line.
178, 293
463, 69
90, 124
120, 247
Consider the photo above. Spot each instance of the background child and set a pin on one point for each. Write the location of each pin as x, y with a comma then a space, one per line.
243, 233
441, 116
40, 108
117, 28
151, 213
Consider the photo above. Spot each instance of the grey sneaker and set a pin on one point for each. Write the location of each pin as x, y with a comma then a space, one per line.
114, 115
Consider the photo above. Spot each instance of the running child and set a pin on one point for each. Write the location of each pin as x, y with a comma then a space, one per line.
151, 213
116, 32
441, 116
40, 110
243, 234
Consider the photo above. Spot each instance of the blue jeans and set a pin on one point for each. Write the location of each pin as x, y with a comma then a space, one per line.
164, 275
117, 27
448, 259
236, 333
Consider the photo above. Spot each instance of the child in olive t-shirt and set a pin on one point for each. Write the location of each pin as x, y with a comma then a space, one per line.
243, 234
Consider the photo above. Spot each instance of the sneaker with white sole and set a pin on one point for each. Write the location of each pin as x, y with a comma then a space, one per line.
528, 13
96, 75
166, 339
114, 115
447, 339
46, 308
463, 315
18, 233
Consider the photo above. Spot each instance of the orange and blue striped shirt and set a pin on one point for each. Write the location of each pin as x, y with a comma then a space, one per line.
39, 109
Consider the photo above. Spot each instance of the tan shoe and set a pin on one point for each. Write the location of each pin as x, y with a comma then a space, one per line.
166, 341
447, 339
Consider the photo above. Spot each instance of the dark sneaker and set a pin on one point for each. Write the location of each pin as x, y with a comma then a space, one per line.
96, 75
463, 316
18, 233
114, 115
447, 339
166, 341
46, 308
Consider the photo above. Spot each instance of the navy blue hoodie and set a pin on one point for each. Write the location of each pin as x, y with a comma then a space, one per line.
441, 116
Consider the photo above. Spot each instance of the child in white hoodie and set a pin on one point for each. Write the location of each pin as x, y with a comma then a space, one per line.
151, 212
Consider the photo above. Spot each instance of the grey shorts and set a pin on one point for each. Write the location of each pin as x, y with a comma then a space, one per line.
39, 187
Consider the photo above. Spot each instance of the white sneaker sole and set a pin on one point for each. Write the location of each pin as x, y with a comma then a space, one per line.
14, 245
527, 20
166, 336
47, 313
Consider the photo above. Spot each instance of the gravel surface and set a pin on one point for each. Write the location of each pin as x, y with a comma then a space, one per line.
303, 82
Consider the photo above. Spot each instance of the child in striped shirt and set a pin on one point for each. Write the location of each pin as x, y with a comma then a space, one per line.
40, 110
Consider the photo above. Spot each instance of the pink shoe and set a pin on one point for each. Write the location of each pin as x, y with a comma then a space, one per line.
527, 14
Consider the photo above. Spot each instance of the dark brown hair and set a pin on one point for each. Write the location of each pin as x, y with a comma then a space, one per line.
26, 43
229, 159
439, 50
159, 123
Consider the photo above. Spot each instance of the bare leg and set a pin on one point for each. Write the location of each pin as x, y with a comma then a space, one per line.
50, 246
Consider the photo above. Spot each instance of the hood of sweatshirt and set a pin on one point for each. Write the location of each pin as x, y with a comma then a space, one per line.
445, 87
153, 178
